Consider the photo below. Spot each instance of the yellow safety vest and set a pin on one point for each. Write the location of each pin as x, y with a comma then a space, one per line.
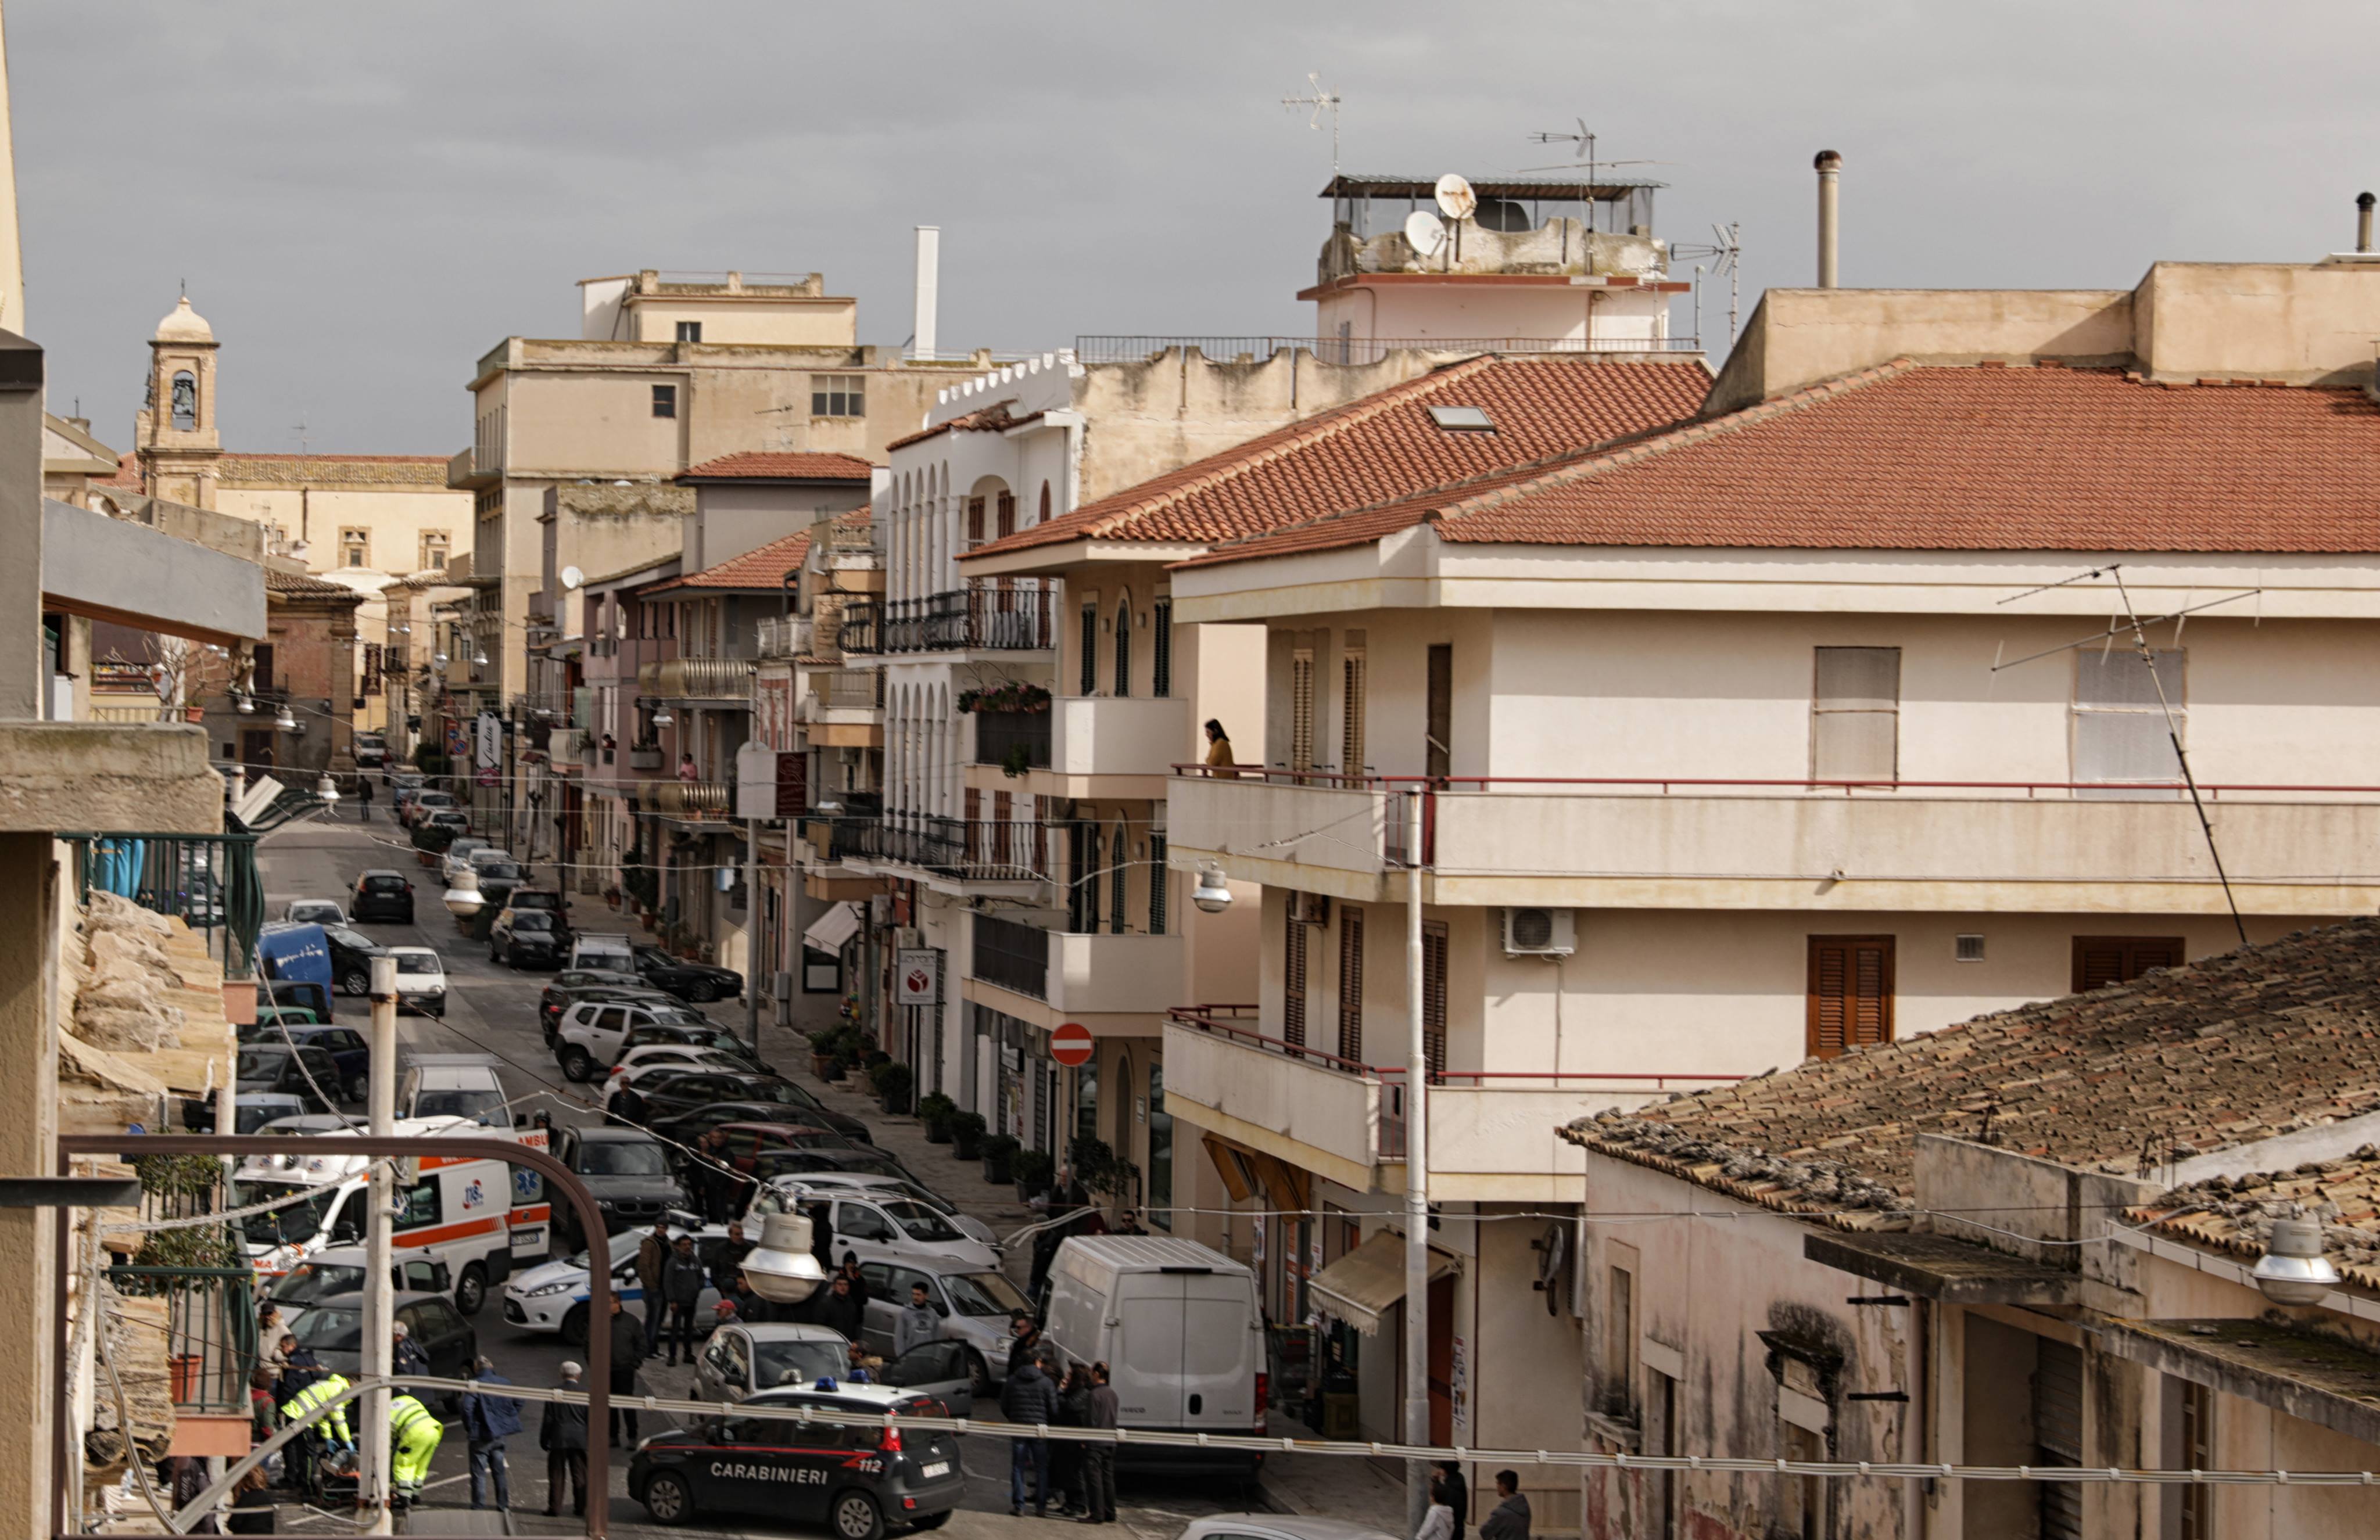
414, 1433
314, 1395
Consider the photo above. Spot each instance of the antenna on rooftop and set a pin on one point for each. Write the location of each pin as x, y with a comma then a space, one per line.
1727, 247
1585, 158
298, 427
1322, 99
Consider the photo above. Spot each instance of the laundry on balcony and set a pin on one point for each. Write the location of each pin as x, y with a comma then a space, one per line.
1369, 1281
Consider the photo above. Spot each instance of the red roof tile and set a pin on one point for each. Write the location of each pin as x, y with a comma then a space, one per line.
1386, 445
762, 568
756, 466
1908, 458
984, 419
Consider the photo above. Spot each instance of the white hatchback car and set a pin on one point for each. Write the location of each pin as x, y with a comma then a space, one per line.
895, 1228
421, 980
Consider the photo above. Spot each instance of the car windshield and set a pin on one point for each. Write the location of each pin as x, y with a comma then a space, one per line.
252, 1116
313, 911
536, 900
776, 1364
418, 962
340, 1330
456, 1104
921, 1222
292, 1222
499, 871
436, 799
314, 1280
533, 919
355, 940
261, 1063
984, 1295
383, 884
621, 1159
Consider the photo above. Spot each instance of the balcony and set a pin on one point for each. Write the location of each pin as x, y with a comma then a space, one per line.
1013, 742
1073, 973
699, 679
992, 857
1769, 844
848, 690
1127, 744
208, 881
783, 635
464, 469
697, 801
978, 618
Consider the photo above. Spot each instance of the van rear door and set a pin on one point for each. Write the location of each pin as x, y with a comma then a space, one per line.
1219, 1353
1148, 1361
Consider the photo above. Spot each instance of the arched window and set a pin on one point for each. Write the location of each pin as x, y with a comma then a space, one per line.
185, 402
1045, 504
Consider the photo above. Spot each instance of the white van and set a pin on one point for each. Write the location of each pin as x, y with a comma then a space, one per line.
1179, 1329
482, 1219
601, 949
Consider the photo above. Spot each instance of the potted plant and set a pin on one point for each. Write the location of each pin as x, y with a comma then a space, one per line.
1034, 1168
998, 1151
612, 897
937, 1111
893, 1081
967, 1130
823, 1052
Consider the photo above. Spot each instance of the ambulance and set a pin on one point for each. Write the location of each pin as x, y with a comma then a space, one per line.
482, 1218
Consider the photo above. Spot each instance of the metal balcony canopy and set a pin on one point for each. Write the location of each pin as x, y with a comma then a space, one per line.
1364, 1285
1601, 188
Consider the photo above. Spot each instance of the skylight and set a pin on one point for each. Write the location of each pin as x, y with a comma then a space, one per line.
1462, 420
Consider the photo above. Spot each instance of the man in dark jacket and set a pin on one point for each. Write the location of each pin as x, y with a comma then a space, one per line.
406, 1356
1098, 1459
1510, 1520
722, 1259
1458, 1492
682, 1289
487, 1421
563, 1436
651, 1253
1030, 1397
627, 1356
300, 1368
1024, 1341
822, 1218
841, 1310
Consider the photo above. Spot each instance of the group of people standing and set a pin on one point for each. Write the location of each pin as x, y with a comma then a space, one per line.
1039, 1393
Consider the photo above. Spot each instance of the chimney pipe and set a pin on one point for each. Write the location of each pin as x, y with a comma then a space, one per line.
929, 283
1829, 166
2363, 201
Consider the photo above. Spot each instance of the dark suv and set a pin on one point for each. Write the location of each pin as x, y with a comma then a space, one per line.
626, 1172
381, 894
528, 938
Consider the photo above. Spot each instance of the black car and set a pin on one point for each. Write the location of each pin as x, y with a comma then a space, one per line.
351, 955
381, 894
528, 938
626, 1170
763, 1458
333, 1328
850, 1160
275, 1067
350, 1051
710, 1089
697, 982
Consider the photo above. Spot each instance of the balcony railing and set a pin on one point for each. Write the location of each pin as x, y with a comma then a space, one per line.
118, 711
977, 850
1013, 740
210, 880
849, 689
1358, 350
694, 799
210, 1339
978, 618
1013, 956
700, 679
783, 635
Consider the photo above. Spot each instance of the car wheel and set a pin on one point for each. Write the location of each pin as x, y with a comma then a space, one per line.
857, 1516
702, 992
472, 1289
578, 1065
356, 982
979, 1375
574, 1326
668, 1498
359, 1088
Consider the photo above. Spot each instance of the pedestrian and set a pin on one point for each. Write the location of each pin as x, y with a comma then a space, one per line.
1219, 752
917, 1324
1510, 1520
1028, 1397
1098, 1458
269, 1327
300, 1368
859, 1366
652, 1253
682, 1290
487, 1421
714, 1176
723, 1258
750, 1308
251, 1505
406, 1355
263, 1416
841, 1310
562, 1436
853, 1276
628, 1355
1439, 1522
1024, 1341
414, 1435
328, 1433
1066, 1454
363, 798
1128, 1223
821, 1217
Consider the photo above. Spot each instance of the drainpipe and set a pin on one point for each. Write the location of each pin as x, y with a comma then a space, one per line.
2363, 203
1417, 1183
1830, 167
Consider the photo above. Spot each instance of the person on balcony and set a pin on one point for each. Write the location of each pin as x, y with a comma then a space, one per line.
1219, 752
686, 771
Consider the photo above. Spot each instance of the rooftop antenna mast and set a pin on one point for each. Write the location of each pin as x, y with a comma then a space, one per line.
1322, 99
1727, 247
1586, 157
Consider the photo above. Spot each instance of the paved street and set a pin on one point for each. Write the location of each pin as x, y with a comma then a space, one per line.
492, 1010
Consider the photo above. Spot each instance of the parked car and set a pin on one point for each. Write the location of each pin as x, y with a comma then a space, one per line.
421, 805
974, 1307
697, 982
258, 1112
858, 1480
458, 855
897, 1228
684, 1093
527, 937
351, 955
625, 1090
421, 980
692, 1123
437, 829
333, 1328
740, 1359
702, 1035
904, 1185
535, 898
627, 1173
602, 949
313, 911
342, 1270
350, 1051
552, 1296
747, 1141
453, 1086
801, 1165
384, 895
591, 1033
310, 1074
571, 984
371, 751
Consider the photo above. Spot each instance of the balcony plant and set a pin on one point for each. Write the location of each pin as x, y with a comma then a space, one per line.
1008, 695
998, 1152
967, 1130
893, 1081
1034, 1169
936, 1112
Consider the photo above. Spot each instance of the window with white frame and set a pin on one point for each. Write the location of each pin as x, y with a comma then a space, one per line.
1855, 714
2122, 735
838, 395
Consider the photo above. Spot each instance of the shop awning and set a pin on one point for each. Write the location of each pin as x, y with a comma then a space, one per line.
1365, 1284
832, 930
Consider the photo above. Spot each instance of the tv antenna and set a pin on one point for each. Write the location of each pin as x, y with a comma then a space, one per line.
298, 427
1322, 99
1725, 252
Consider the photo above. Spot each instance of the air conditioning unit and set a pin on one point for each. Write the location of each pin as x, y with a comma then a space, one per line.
1314, 908
1540, 932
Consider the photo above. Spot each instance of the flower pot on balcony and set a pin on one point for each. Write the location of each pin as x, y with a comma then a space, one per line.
194, 713
189, 1372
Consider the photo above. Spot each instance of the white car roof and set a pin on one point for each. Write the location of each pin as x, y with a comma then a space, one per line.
457, 1077
871, 1397
413, 952
1291, 1526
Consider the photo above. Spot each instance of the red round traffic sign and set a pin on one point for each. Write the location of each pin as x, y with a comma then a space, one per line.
1070, 1044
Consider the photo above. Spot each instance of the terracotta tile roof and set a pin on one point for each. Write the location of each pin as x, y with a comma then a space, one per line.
1385, 446
376, 470
298, 585
984, 419
1911, 457
2235, 1214
756, 466
762, 568
2226, 1051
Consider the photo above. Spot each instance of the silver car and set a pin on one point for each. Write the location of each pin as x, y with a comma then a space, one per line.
742, 1359
974, 1304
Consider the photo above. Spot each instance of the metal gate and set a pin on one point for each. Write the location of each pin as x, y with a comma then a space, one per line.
2057, 1429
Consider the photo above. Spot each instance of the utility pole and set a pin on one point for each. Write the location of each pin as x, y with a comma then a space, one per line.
752, 930
371, 1491
1416, 1181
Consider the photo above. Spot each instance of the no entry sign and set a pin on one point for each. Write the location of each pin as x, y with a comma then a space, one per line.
1070, 1044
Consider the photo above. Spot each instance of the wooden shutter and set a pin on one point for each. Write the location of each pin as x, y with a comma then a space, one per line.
1438, 754
1433, 995
2103, 960
1161, 650
2058, 1431
1119, 848
1850, 993
1301, 710
1351, 984
1158, 880
1090, 670
974, 521
1292, 977
1123, 649
1350, 711
1004, 516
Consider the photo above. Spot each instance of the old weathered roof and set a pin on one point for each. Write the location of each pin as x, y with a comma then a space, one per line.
2225, 1052
2235, 1214
1387, 445
358, 470
758, 466
298, 585
1917, 457
983, 419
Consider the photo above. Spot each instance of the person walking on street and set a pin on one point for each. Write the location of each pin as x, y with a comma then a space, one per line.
682, 1287
487, 1421
628, 1355
1458, 1492
562, 1436
1510, 1520
917, 1325
1439, 1522
1030, 1399
652, 1253
363, 799
1024, 1341
406, 1356
1098, 1458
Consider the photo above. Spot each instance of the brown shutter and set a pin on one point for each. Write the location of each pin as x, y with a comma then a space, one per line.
1005, 517
975, 521
1351, 984
2103, 960
1433, 995
1292, 1002
1849, 1000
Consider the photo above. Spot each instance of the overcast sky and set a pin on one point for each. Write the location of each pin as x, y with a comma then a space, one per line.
365, 199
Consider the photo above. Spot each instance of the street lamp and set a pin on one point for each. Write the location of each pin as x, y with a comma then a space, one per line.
326, 788
244, 704
463, 899
479, 657
1212, 895
284, 720
662, 718
2293, 1270
782, 1268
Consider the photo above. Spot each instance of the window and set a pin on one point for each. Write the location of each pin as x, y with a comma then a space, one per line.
1161, 1152
436, 545
1619, 1339
689, 330
2103, 960
419, 1204
1087, 1100
1158, 878
185, 402
1351, 984
2120, 735
1045, 504
1433, 995
1161, 650
1855, 714
2190, 1446
1300, 708
355, 548
664, 401
974, 521
863, 1223
1090, 649
1292, 978
1351, 706
1462, 420
1003, 515
1849, 994
1802, 1512
1117, 849
1124, 647
2058, 1435
838, 395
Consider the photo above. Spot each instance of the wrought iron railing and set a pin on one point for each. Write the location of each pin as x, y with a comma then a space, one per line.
1358, 350
210, 880
1014, 740
980, 617
210, 1338
1014, 956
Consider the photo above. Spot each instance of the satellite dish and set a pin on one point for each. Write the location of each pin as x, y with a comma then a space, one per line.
1424, 232
1455, 199
572, 577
